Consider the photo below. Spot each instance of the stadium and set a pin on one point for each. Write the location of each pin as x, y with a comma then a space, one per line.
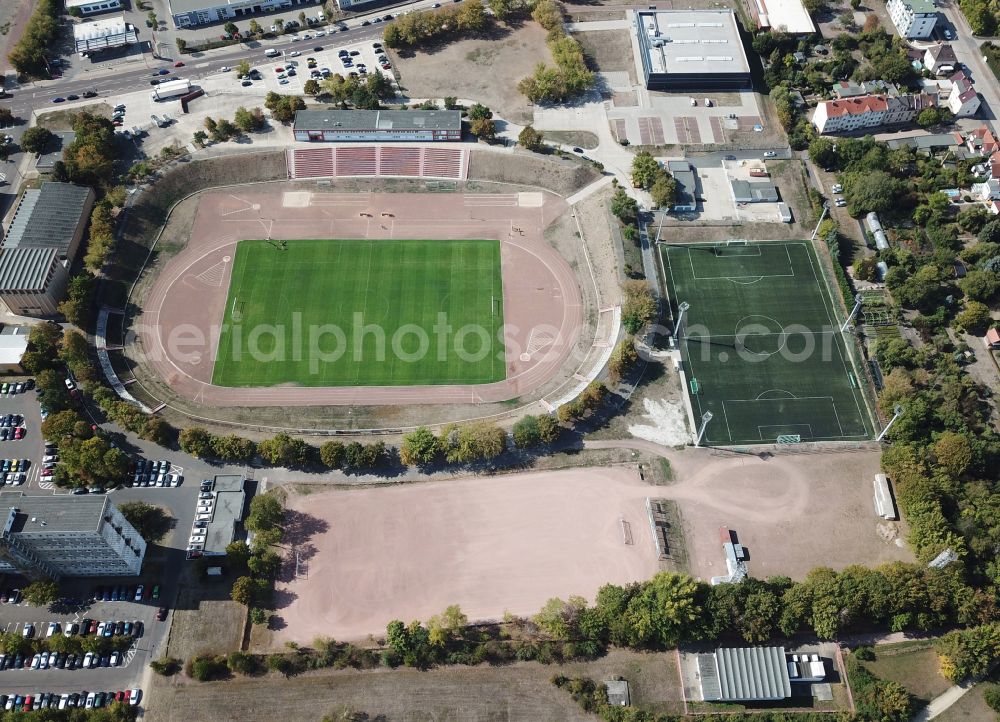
340, 293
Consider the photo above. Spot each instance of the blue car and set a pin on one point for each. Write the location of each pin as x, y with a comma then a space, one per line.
162, 71
58, 99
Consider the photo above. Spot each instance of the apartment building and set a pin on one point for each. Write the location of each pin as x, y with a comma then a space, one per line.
914, 19
69, 536
868, 111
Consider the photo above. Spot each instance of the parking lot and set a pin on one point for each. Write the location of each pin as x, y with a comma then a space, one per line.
135, 649
24, 407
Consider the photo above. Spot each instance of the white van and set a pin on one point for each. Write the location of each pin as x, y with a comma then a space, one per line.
272, 53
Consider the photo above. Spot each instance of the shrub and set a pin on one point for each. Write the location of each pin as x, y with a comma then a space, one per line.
207, 667
166, 667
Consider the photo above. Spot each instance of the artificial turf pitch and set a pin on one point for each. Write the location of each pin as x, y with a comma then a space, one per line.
370, 291
761, 344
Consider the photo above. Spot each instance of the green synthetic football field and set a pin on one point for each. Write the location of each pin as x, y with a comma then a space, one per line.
363, 313
761, 344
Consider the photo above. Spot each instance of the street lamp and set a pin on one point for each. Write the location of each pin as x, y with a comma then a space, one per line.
705, 418
898, 411
850, 316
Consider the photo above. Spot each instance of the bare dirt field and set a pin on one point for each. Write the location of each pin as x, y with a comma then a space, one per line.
14, 16
184, 308
519, 692
611, 50
792, 512
491, 545
485, 70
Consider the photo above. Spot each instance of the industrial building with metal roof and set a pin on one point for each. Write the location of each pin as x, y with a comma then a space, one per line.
690, 50
54, 215
96, 35
332, 124
744, 674
32, 280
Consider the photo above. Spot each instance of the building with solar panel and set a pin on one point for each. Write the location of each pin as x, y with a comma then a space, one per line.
690, 50
40, 244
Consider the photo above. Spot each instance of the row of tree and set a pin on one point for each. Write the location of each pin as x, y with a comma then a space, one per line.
29, 55
436, 26
570, 76
647, 173
219, 131
363, 92
257, 565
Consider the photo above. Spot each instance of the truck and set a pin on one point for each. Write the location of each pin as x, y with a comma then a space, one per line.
173, 89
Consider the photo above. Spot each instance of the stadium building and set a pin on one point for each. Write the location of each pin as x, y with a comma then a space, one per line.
378, 125
695, 50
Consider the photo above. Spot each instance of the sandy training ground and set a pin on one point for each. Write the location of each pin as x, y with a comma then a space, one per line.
179, 327
491, 545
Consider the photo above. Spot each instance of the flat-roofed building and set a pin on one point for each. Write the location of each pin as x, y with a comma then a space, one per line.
90, 7
377, 125
13, 344
914, 19
68, 536
96, 35
186, 13
690, 50
789, 16
685, 198
227, 512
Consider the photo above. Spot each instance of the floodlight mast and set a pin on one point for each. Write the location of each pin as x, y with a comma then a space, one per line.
850, 317
898, 411
682, 308
705, 418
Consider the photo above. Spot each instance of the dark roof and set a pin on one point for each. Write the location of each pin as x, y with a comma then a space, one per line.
54, 149
334, 119
49, 216
744, 673
25, 268
56, 513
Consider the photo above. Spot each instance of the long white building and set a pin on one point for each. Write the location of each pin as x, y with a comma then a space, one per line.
868, 111
187, 13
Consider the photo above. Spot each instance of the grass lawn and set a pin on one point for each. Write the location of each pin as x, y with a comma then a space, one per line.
913, 665
363, 313
761, 344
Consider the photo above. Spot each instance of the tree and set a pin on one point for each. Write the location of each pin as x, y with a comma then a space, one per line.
928, 117
233, 448
34, 139
246, 591
283, 107
284, 450
530, 139
195, 441
822, 153
265, 565
230, 29
265, 514
475, 441
447, 625
872, 191
981, 285
311, 87
526, 432
238, 555
639, 307
644, 169
255, 29
666, 611
181, 45
420, 447
480, 112
664, 189
548, 429
249, 120
624, 206
483, 128
152, 522
41, 593
975, 318
242, 69
622, 359
953, 452
331, 454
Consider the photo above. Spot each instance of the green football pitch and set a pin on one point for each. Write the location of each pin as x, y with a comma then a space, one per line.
363, 313
761, 345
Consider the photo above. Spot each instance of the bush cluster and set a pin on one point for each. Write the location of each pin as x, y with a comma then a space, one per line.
570, 76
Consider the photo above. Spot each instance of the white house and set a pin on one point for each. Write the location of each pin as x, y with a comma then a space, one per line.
963, 101
913, 19
987, 191
940, 59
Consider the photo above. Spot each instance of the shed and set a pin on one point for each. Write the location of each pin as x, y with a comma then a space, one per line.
992, 338
758, 191
885, 505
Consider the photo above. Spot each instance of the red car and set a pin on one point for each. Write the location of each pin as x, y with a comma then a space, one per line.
178, 64
120, 696
161, 613
93, 627
19, 432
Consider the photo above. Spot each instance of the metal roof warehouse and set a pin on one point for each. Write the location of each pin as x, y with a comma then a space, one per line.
384, 125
